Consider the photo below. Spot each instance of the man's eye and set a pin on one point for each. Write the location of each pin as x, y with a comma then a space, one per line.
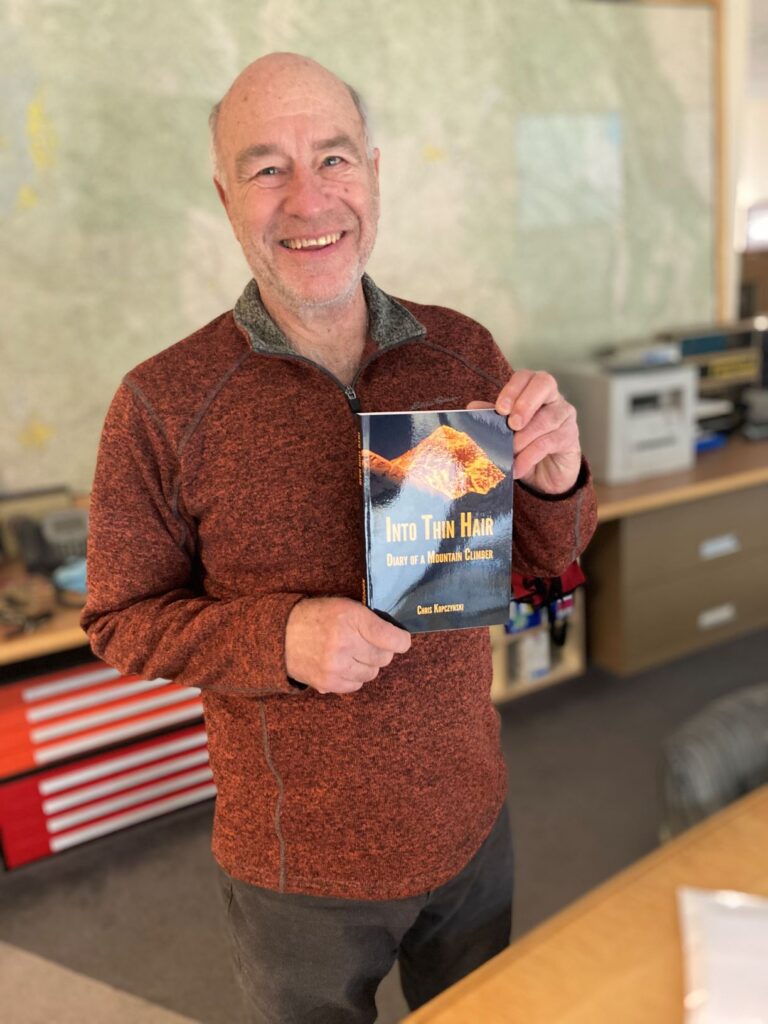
269, 177
332, 161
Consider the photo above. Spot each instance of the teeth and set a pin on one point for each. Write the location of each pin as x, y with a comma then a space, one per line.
311, 243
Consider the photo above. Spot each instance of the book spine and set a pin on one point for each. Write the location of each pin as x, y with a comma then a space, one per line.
365, 495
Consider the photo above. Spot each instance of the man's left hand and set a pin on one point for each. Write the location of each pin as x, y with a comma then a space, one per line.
547, 448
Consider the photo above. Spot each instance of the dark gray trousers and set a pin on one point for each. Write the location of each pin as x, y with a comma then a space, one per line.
319, 961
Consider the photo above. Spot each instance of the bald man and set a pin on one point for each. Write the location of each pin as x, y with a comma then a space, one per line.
360, 814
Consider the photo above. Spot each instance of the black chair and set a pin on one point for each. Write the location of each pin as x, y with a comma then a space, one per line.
714, 758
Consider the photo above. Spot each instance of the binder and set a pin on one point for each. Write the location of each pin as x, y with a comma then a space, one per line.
55, 717
60, 808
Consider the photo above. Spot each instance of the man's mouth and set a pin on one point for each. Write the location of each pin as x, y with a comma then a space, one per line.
320, 242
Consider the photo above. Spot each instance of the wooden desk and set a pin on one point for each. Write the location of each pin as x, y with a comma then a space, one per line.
61, 633
679, 561
614, 956
738, 465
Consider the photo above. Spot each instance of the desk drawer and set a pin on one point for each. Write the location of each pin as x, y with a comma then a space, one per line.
693, 610
659, 545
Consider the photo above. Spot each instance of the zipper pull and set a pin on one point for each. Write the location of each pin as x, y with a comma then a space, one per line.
354, 401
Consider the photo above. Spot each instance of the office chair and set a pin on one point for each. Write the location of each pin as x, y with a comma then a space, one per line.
716, 756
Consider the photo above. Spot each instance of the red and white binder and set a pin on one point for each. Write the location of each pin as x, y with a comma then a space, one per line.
54, 717
63, 807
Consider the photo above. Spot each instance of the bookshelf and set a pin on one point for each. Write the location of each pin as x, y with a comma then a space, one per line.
568, 661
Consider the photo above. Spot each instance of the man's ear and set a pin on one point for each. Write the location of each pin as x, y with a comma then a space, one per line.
376, 155
221, 193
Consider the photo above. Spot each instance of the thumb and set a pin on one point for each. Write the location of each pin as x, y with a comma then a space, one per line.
379, 633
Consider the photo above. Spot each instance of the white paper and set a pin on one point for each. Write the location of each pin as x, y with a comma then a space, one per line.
725, 945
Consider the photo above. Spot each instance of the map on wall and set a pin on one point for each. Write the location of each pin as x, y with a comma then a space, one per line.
546, 168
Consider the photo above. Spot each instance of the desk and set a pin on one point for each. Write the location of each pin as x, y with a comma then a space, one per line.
679, 561
740, 464
614, 956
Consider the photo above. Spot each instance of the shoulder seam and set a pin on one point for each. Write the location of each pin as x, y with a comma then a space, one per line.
206, 403
470, 366
139, 393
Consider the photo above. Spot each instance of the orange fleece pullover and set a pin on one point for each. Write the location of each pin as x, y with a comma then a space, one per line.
226, 490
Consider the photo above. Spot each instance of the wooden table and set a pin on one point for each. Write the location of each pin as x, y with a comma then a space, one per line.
614, 956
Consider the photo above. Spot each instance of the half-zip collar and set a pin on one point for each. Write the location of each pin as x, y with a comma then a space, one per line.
390, 323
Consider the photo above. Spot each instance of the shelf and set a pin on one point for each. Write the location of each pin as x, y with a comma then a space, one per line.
568, 661
61, 633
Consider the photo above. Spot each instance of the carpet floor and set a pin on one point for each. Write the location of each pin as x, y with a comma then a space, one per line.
131, 925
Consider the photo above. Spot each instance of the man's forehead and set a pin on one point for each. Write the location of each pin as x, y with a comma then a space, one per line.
291, 88
316, 128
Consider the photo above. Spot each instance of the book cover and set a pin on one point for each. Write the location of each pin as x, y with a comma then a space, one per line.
437, 502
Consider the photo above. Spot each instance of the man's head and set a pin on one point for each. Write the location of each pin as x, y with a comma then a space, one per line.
298, 180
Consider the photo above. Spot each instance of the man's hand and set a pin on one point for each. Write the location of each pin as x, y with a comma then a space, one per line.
547, 448
335, 645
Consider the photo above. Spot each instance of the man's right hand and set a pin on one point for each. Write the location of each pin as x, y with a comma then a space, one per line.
335, 645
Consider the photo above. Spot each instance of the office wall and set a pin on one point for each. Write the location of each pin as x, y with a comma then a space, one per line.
546, 167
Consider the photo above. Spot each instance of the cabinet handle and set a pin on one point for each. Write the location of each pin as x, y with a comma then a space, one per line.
718, 616
716, 547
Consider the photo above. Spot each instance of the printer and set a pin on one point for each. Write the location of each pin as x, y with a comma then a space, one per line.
634, 423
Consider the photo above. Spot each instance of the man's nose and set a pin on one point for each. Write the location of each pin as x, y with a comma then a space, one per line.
305, 196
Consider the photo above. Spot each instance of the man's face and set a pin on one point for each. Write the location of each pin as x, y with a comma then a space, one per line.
300, 190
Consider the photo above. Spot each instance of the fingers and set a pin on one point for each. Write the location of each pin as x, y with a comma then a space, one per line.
552, 431
346, 674
382, 635
557, 422
559, 445
547, 448
340, 686
524, 394
336, 645
364, 651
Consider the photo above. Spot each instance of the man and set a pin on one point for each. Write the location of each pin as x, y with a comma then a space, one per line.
359, 815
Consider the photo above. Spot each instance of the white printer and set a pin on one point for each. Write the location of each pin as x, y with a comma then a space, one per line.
634, 423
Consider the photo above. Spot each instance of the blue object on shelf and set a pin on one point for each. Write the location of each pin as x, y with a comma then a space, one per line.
709, 442
71, 576
522, 616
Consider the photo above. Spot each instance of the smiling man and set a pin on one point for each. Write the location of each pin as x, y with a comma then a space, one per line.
300, 184
360, 814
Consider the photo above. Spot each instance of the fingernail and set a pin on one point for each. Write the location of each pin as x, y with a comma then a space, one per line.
504, 406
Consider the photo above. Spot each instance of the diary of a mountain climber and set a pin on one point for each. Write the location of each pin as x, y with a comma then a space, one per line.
437, 502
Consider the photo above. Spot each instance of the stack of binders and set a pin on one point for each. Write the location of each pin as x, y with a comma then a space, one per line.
61, 808
69, 714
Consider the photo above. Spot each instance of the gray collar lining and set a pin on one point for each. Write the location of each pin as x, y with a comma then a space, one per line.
390, 322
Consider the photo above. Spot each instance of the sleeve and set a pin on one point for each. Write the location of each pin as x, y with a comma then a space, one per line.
145, 613
551, 531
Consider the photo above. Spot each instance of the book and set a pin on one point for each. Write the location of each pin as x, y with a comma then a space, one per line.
437, 504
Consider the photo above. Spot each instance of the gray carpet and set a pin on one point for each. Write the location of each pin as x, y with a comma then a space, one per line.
140, 911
